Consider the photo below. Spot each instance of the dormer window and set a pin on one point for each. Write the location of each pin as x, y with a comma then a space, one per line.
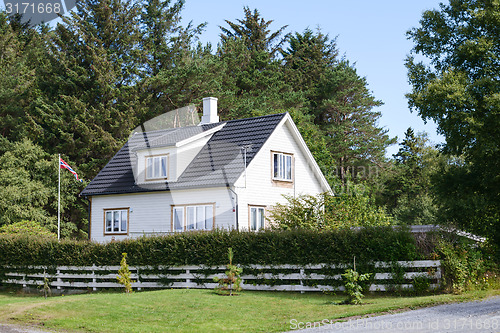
157, 167
282, 166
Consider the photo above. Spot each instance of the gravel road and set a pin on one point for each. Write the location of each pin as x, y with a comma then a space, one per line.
7, 328
470, 317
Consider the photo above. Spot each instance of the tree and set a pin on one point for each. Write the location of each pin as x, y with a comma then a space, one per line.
308, 58
252, 81
19, 45
175, 74
408, 191
459, 88
28, 189
338, 100
27, 228
346, 117
88, 103
253, 30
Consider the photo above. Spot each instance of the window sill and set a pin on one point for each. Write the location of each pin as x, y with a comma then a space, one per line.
155, 179
282, 183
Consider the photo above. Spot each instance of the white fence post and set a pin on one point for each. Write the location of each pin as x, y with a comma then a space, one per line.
301, 272
58, 278
94, 279
138, 278
188, 280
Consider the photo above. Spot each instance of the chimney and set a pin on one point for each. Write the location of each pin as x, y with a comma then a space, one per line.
209, 111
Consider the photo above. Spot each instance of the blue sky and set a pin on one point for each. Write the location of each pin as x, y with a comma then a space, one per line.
369, 33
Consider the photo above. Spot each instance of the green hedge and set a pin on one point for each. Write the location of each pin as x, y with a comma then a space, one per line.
210, 248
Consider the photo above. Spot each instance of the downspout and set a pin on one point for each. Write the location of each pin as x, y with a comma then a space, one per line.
89, 211
236, 207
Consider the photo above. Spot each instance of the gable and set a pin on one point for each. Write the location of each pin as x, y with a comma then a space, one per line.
286, 140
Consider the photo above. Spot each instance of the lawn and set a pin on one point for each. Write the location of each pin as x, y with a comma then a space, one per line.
191, 310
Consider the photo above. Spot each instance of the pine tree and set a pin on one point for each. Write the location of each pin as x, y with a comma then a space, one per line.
307, 59
89, 101
408, 190
253, 30
176, 73
252, 78
346, 117
19, 45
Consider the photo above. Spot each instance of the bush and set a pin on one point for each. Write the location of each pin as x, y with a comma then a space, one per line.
421, 283
124, 275
27, 228
328, 212
209, 248
464, 265
352, 283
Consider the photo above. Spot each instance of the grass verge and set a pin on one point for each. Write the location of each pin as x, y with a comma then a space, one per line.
194, 310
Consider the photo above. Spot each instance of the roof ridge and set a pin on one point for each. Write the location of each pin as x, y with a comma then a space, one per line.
264, 116
166, 129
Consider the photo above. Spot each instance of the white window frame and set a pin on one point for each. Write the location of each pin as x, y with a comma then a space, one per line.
122, 225
192, 217
282, 166
256, 218
156, 167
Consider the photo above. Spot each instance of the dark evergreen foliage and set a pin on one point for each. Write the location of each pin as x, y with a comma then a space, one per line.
210, 248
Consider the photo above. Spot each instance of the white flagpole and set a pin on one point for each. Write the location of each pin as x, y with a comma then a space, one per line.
59, 199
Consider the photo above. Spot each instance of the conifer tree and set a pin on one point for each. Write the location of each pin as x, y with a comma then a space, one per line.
89, 100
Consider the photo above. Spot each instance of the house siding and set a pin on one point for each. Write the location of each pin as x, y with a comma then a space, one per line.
150, 213
260, 188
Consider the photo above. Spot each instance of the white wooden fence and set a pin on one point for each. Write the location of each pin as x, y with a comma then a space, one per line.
276, 277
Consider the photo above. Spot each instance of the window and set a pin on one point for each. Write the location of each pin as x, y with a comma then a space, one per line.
157, 167
282, 166
116, 221
193, 217
257, 218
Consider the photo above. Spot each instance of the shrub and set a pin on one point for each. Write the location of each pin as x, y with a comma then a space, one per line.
463, 265
231, 283
124, 275
27, 228
294, 247
352, 283
421, 283
327, 212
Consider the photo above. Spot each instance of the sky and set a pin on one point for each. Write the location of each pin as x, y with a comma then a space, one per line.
371, 34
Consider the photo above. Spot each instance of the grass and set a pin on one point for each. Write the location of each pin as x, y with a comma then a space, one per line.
192, 310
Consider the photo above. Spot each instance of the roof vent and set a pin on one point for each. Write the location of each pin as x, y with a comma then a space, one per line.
209, 111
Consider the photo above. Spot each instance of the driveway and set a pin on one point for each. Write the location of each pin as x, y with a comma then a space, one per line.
471, 317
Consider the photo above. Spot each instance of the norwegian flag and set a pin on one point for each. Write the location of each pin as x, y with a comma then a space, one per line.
64, 165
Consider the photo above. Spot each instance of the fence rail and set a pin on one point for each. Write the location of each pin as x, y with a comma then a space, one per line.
302, 278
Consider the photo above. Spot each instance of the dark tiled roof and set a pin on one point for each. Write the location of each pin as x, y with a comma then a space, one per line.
219, 163
169, 137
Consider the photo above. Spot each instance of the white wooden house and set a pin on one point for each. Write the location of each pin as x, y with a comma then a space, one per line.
215, 175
